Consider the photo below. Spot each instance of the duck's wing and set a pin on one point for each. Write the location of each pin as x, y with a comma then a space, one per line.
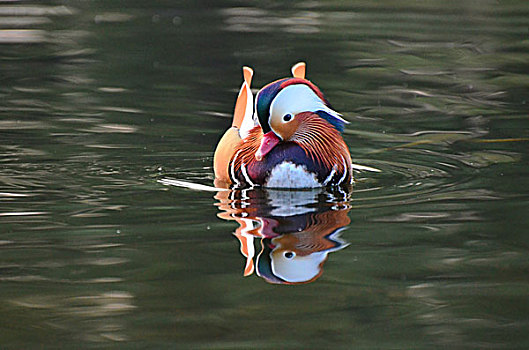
223, 154
242, 123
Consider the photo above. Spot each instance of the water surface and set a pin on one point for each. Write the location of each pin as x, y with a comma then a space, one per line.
104, 105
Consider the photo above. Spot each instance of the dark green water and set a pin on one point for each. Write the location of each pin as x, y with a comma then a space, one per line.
103, 102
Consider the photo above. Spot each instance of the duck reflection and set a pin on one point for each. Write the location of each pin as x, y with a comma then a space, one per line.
296, 230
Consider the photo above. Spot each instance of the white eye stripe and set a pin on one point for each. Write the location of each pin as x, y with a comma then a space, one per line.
298, 98
294, 99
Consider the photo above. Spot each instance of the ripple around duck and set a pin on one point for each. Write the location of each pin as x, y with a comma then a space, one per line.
381, 183
402, 183
428, 165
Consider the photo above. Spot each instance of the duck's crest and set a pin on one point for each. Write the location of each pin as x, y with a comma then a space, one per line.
267, 94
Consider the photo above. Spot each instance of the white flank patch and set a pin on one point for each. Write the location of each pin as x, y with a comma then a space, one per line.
245, 174
344, 172
290, 175
329, 178
232, 169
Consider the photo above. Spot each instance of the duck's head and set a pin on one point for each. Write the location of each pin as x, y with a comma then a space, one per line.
284, 108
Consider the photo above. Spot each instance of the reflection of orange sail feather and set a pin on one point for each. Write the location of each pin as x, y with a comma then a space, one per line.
247, 249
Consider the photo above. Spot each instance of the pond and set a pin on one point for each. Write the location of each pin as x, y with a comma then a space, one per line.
113, 236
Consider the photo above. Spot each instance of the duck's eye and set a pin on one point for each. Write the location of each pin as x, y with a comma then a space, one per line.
287, 117
289, 255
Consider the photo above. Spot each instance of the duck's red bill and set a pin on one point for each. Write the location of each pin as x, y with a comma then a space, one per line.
269, 141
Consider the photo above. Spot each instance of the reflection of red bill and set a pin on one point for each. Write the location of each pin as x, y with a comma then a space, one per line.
269, 141
267, 227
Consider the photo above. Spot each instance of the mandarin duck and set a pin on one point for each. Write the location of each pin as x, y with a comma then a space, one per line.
289, 138
294, 243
